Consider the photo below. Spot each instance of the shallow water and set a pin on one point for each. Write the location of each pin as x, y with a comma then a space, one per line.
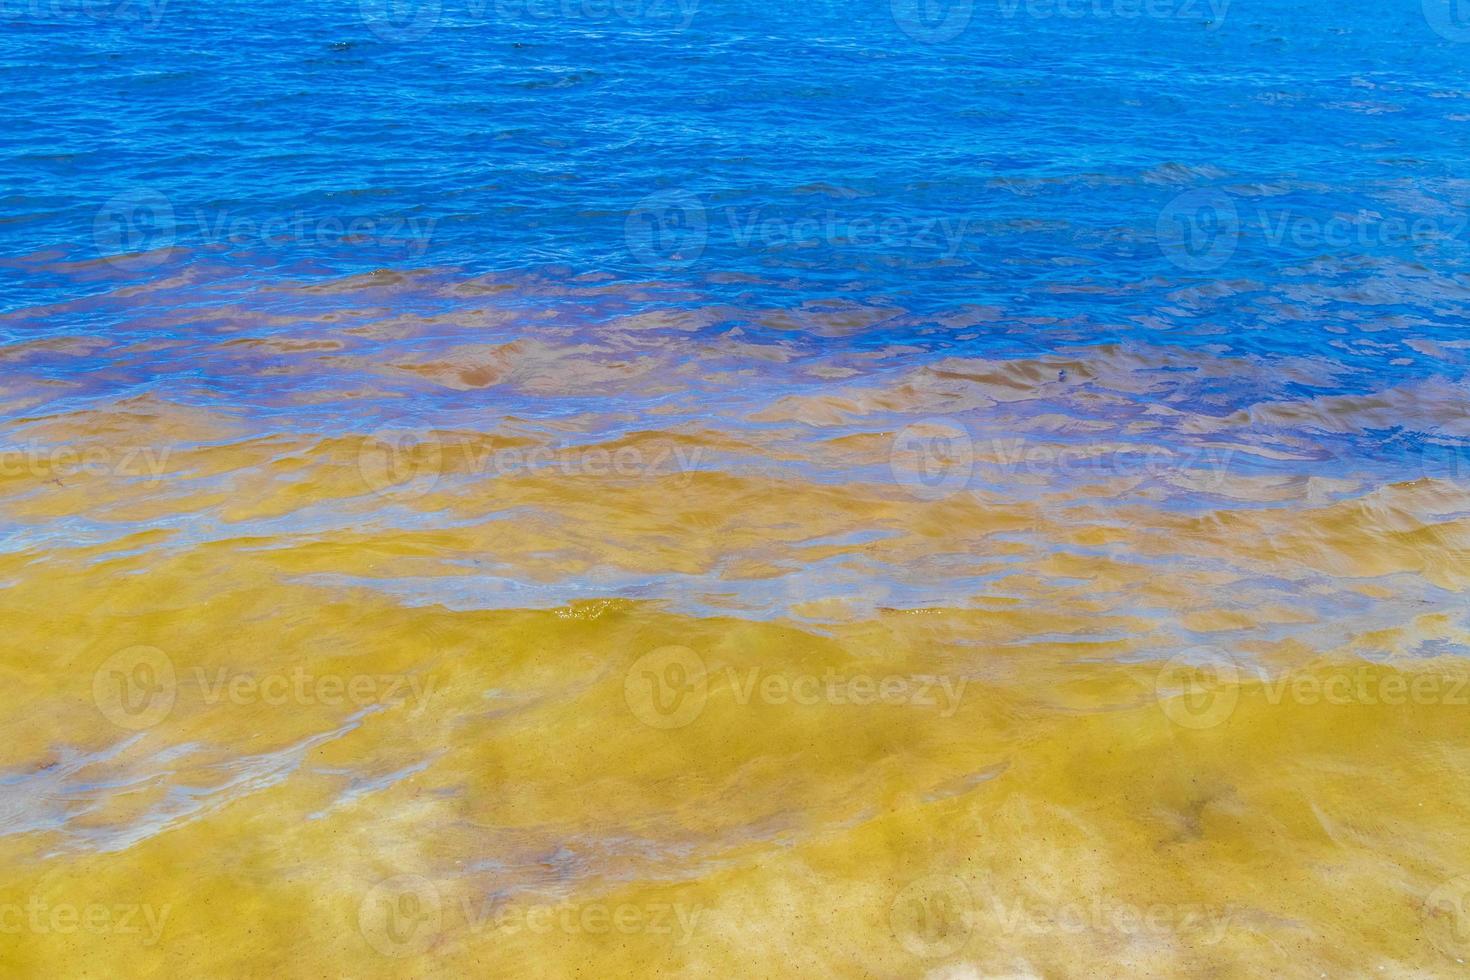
828, 491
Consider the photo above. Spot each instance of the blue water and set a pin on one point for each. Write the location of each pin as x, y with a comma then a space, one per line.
1084, 173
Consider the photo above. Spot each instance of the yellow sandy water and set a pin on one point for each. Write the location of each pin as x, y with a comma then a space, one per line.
311, 702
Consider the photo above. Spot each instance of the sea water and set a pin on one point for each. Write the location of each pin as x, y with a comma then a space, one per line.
561, 487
